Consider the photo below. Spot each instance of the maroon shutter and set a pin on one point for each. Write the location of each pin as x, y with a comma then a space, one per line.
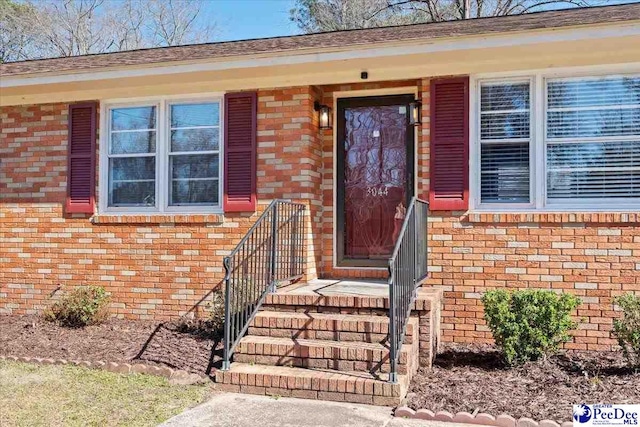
81, 160
449, 169
240, 127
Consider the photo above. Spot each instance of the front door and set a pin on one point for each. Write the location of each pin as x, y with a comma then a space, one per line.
374, 177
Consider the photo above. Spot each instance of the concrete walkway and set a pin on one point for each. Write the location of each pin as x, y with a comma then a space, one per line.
243, 410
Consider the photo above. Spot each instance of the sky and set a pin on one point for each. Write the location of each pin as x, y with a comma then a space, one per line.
248, 19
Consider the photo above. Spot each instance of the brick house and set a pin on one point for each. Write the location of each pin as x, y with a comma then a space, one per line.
139, 171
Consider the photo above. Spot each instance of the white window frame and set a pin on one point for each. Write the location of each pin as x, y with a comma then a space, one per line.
477, 119
538, 143
163, 134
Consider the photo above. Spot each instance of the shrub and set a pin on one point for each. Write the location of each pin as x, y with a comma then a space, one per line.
211, 324
215, 309
529, 324
627, 328
85, 305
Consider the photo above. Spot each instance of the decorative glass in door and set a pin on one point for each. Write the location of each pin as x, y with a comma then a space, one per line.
375, 180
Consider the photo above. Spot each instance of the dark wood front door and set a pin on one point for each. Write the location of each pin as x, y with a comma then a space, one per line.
374, 177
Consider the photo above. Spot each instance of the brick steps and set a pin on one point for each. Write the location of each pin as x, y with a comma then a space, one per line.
339, 356
358, 387
324, 326
331, 347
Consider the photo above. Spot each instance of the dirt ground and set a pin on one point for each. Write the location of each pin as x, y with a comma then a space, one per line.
113, 341
469, 378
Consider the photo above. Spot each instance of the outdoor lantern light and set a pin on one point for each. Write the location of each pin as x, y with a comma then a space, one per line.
324, 115
414, 113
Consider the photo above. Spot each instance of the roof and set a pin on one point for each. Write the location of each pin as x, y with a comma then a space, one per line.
337, 39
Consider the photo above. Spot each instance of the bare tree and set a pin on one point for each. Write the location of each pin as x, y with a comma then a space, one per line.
446, 10
78, 27
71, 27
174, 22
15, 38
151, 23
330, 15
333, 15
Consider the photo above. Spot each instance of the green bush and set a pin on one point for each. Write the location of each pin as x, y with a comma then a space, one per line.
529, 324
85, 305
627, 328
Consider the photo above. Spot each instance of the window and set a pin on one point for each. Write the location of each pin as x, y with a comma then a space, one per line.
163, 157
132, 156
559, 143
504, 142
194, 155
593, 139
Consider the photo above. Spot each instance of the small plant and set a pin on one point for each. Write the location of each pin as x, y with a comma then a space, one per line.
85, 305
529, 324
211, 324
215, 310
627, 328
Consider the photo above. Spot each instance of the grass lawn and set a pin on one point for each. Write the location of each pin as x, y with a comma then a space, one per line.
53, 395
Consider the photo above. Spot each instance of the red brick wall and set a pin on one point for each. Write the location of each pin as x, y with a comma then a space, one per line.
290, 156
164, 268
152, 269
592, 256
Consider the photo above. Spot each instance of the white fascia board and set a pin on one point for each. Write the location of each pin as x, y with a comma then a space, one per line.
411, 47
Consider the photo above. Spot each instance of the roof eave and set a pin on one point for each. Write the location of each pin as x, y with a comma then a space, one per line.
319, 55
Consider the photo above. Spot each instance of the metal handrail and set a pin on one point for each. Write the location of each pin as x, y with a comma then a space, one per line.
272, 251
407, 268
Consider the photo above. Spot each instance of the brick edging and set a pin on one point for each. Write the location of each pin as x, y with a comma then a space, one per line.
477, 419
176, 376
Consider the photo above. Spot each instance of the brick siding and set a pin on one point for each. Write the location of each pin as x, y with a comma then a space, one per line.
592, 258
164, 268
154, 267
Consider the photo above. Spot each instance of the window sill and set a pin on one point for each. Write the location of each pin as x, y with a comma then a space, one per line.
554, 217
157, 219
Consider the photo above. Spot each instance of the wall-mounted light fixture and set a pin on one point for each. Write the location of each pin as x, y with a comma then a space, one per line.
324, 115
414, 113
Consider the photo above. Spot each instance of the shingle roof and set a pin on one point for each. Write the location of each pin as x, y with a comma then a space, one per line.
337, 39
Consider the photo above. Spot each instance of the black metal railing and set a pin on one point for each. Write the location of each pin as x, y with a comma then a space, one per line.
407, 267
272, 251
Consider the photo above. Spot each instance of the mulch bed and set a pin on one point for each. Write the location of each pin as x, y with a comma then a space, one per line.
171, 344
473, 377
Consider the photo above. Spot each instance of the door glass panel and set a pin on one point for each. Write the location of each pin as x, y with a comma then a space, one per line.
375, 180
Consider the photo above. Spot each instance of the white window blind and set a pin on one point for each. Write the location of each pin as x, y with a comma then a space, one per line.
504, 142
593, 139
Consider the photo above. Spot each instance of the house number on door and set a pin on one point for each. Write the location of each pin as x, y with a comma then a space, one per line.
377, 191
